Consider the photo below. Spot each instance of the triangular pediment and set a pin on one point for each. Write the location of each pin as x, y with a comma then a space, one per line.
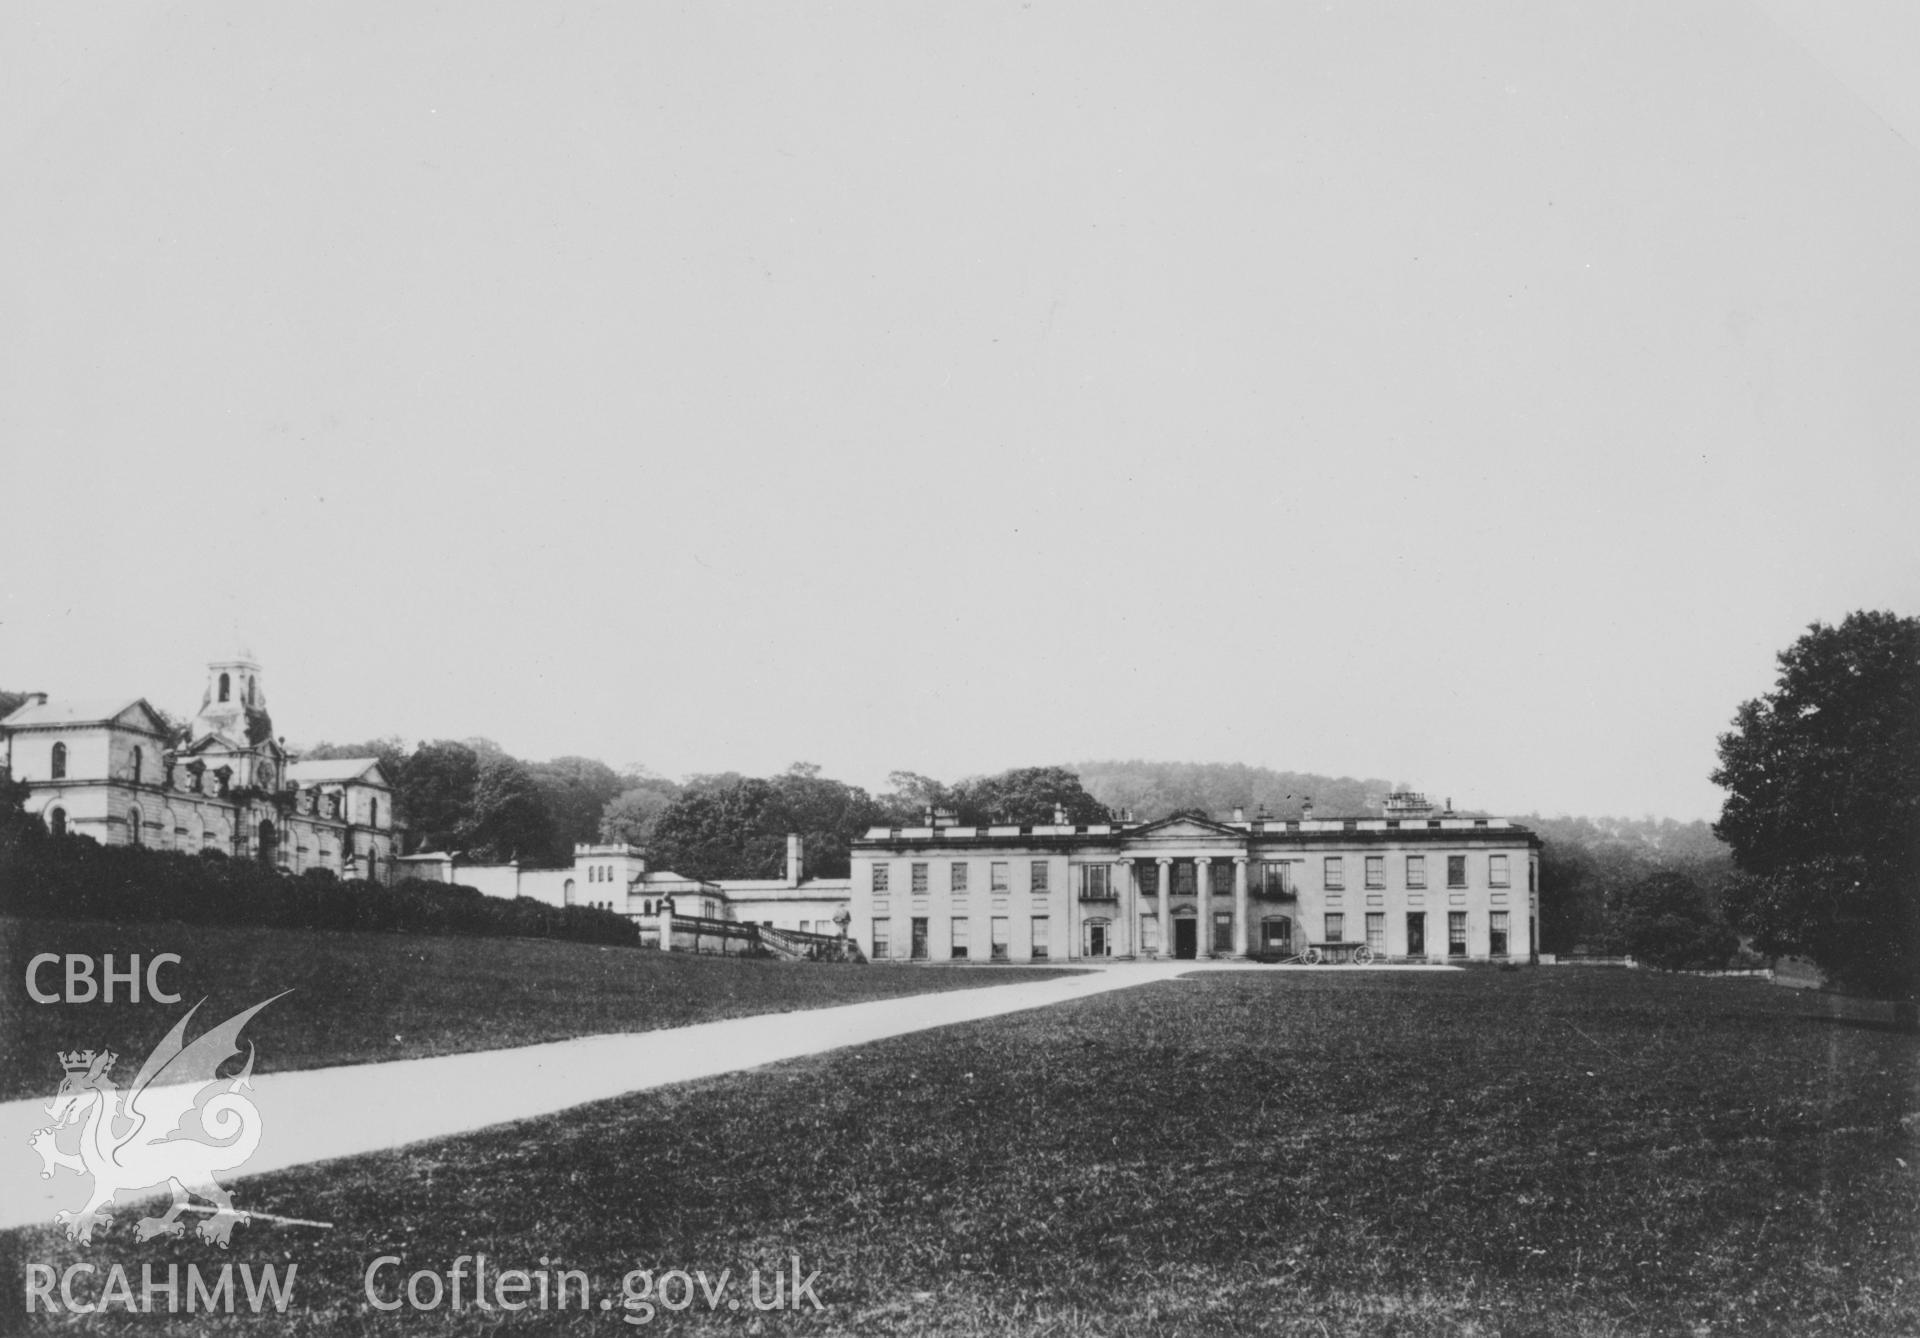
139, 715
1185, 826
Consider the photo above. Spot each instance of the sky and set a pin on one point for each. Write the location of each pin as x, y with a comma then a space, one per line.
1477, 396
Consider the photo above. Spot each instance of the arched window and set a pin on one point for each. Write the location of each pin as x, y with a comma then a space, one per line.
226, 687
57, 821
269, 843
59, 767
133, 826
139, 758
373, 812
566, 893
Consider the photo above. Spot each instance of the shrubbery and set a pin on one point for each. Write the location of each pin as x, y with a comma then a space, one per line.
76, 878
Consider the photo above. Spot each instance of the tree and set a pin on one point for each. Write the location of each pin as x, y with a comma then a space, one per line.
631, 815
1027, 795
1823, 805
510, 818
737, 826
1669, 920
576, 791
436, 793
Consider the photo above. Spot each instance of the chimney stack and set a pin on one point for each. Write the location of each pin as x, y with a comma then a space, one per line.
795, 850
35, 699
1239, 813
1306, 809
1059, 815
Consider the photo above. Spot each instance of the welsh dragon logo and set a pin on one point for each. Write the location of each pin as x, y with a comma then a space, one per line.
178, 1126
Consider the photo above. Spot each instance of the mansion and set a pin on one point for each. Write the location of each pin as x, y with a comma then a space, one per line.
1413, 885
114, 771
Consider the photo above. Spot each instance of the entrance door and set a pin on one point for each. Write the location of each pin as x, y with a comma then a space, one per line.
919, 938
1277, 933
1186, 937
1097, 938
1416, 934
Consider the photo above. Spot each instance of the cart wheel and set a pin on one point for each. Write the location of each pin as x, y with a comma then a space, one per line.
1362, 955
1312, 957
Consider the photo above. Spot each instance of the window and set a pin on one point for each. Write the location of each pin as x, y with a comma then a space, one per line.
881, 872
57, 821
1039, 933
226, 687
1149, 933
1497, 933
1533, 875
1417, 934
957, 876
566, 893
919, 880
1377, 930
1336, 925
998, 877
133, 826
1416, 871
139, 757
373, 812
961, 938
1037, 878
1276, 879
1496, 871
806, 926
1000, 933
1184, 878
57, 768
1334, 876
1456, 871
1456, 933
1376, 871
882, 933
1096, 883
919, 945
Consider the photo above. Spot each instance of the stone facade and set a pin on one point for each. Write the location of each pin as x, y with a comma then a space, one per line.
1413, 886
111, 770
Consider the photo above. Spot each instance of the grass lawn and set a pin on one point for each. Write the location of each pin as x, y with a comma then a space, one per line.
363, 997
1536, 1152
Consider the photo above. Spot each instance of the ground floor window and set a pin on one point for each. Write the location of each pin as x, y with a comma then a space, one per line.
1456, 933
1223, 931
57, 821
1150, 933
1039, 950
882, 932
919, 945
1497, 933
1417, 934
1377, 930
133, 826
998, 929
1096, 937
1276, 933
1336, 926
961, 939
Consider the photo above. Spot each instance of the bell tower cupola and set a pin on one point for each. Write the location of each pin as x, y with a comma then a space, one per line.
234, 706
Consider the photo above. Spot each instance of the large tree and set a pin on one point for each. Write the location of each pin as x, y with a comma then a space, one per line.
734, 826
1027, 795
1823, 804
577, 791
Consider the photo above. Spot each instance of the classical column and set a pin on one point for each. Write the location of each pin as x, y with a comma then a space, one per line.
1128, 928
1239, 905
1203, 906
1166, 906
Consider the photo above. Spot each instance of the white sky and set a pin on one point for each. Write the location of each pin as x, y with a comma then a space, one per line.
1472, 395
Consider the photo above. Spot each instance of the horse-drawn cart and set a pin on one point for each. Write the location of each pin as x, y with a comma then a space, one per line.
1357, 953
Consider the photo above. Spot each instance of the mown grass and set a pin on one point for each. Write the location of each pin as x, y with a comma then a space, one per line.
361, 997
1535, 1152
